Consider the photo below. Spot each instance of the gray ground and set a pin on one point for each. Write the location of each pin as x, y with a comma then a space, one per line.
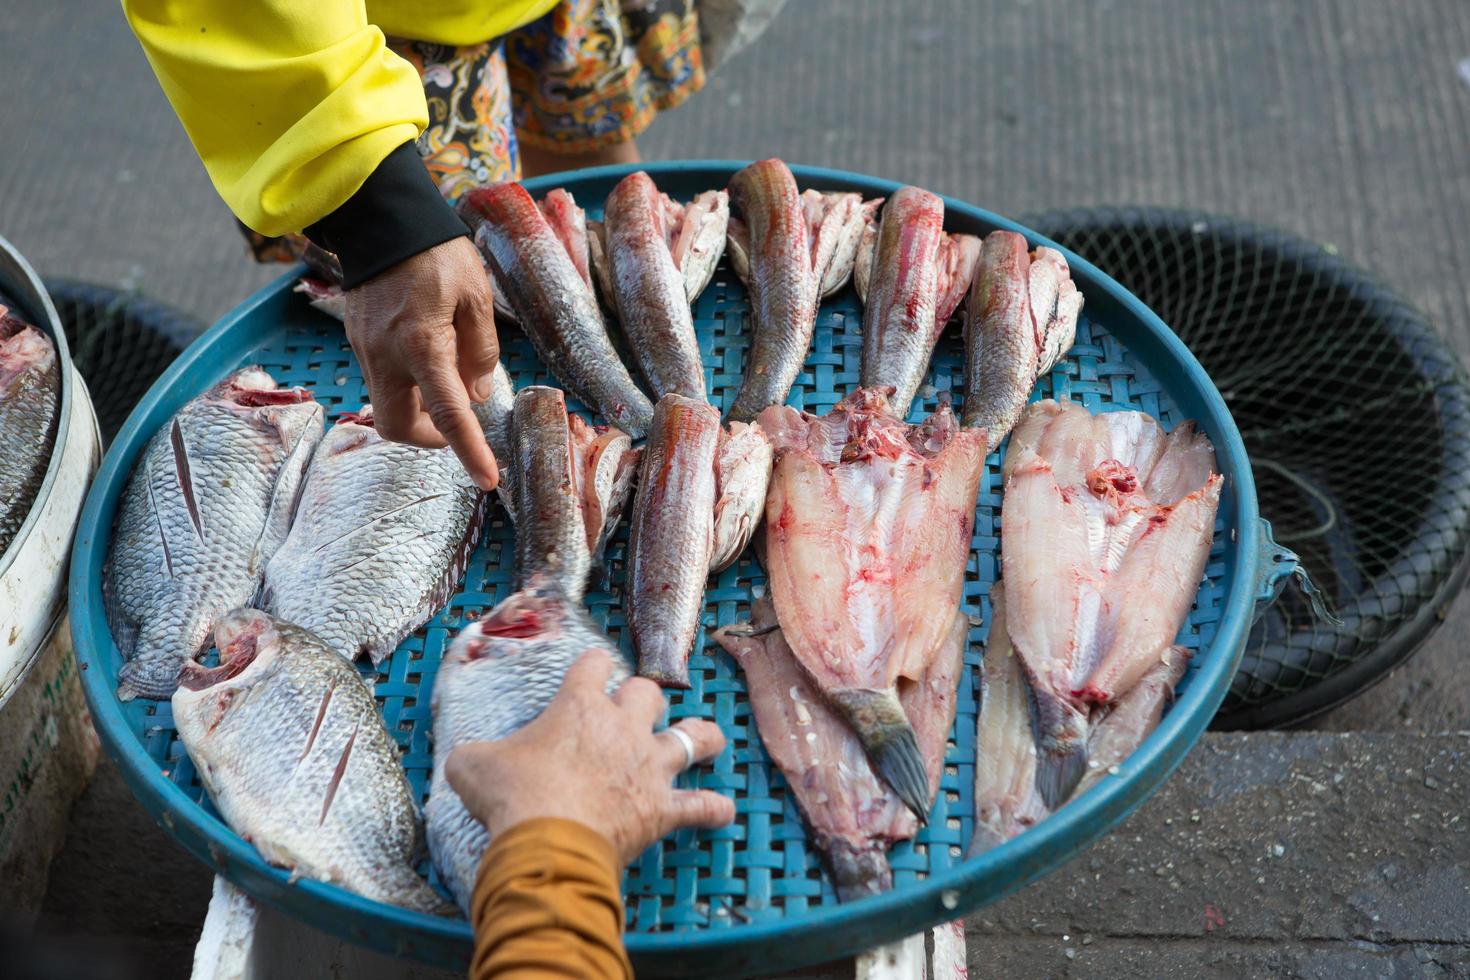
1346, 121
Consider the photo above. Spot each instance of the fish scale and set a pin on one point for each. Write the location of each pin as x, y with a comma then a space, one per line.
30, 385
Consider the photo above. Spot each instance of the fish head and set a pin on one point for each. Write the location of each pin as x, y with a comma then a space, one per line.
249, 642
23, 348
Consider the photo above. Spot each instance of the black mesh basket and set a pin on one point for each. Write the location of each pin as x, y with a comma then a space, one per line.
120, 342
1357, 419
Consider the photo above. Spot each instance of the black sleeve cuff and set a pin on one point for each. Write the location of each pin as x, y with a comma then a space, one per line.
395, 215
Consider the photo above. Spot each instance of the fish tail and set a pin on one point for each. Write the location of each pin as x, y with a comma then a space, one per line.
1060, 731
664, 666
877, 718
154, 678
857, 869
1058, 771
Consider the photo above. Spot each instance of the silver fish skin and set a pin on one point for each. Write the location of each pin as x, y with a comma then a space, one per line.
672, 536
208, 503
918, 274
1006, 798
30, 389
1001, 357
381, 536
495, 416
572, 484
498, 675
789, 250
1121, 728
640, 226
543, 268
290, 746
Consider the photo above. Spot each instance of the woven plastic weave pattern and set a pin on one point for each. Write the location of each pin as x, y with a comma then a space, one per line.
760, 868
1357, 419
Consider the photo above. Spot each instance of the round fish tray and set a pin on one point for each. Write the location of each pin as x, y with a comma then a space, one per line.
751, 897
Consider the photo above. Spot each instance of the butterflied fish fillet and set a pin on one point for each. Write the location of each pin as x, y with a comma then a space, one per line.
381, 537
1006, 799
698, 500
290, 746
790, 249
853, 816
538, 257
572, 485
208, 503
868, 525
1021, 319
1098, 576
653, 257
1122, 727
917, 275
30, 393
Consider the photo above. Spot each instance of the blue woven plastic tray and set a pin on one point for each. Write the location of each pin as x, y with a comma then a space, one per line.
750, 898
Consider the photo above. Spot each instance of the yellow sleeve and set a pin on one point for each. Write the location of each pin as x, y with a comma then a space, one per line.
290, 105
547, 904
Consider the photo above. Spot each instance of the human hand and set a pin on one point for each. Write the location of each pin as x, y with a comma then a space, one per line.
424, 333
593, 759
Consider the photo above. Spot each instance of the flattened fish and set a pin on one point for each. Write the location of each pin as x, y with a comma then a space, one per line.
1021, 319
790, 250
209, 502
698, 500
572, 485
30, 392
658, 255
868, 524
853, 816
542, 268
1119, 729
380, 539
1006, 799
917, 275
1099, 576
290, 746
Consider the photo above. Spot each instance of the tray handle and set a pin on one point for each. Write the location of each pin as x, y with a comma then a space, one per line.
1279, 563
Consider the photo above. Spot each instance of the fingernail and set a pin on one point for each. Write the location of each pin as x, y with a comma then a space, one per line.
483, 387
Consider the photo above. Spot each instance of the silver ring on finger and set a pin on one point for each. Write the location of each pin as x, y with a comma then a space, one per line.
686, 743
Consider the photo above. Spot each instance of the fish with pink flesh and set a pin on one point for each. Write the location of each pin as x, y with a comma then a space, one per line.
868, 524
1006, 798
1099, 576
1119, 729
853, 816
915, 275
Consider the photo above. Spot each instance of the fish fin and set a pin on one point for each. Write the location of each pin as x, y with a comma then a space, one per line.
149, 678
857, 870
877, 719
1058, 771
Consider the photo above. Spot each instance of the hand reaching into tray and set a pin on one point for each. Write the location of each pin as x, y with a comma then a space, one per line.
424, 333
594, 759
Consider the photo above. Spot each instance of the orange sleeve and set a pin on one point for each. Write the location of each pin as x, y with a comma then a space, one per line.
548, 904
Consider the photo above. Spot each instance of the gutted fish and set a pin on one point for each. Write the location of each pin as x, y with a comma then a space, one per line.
1006, 798
1119, 729
1099, 576
538, 257
380, 539
790, 250
698, 500
853, 815
658, 257
30, 391
572, 484
1021, 319
917, 275
209, 502
328, 297
289, 744
868, 525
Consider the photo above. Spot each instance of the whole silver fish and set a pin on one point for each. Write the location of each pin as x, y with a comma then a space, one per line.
917, 275
659, 255
790, 250
539, 259
30, 387
572, 485
209, 502
381, 536
289, 744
